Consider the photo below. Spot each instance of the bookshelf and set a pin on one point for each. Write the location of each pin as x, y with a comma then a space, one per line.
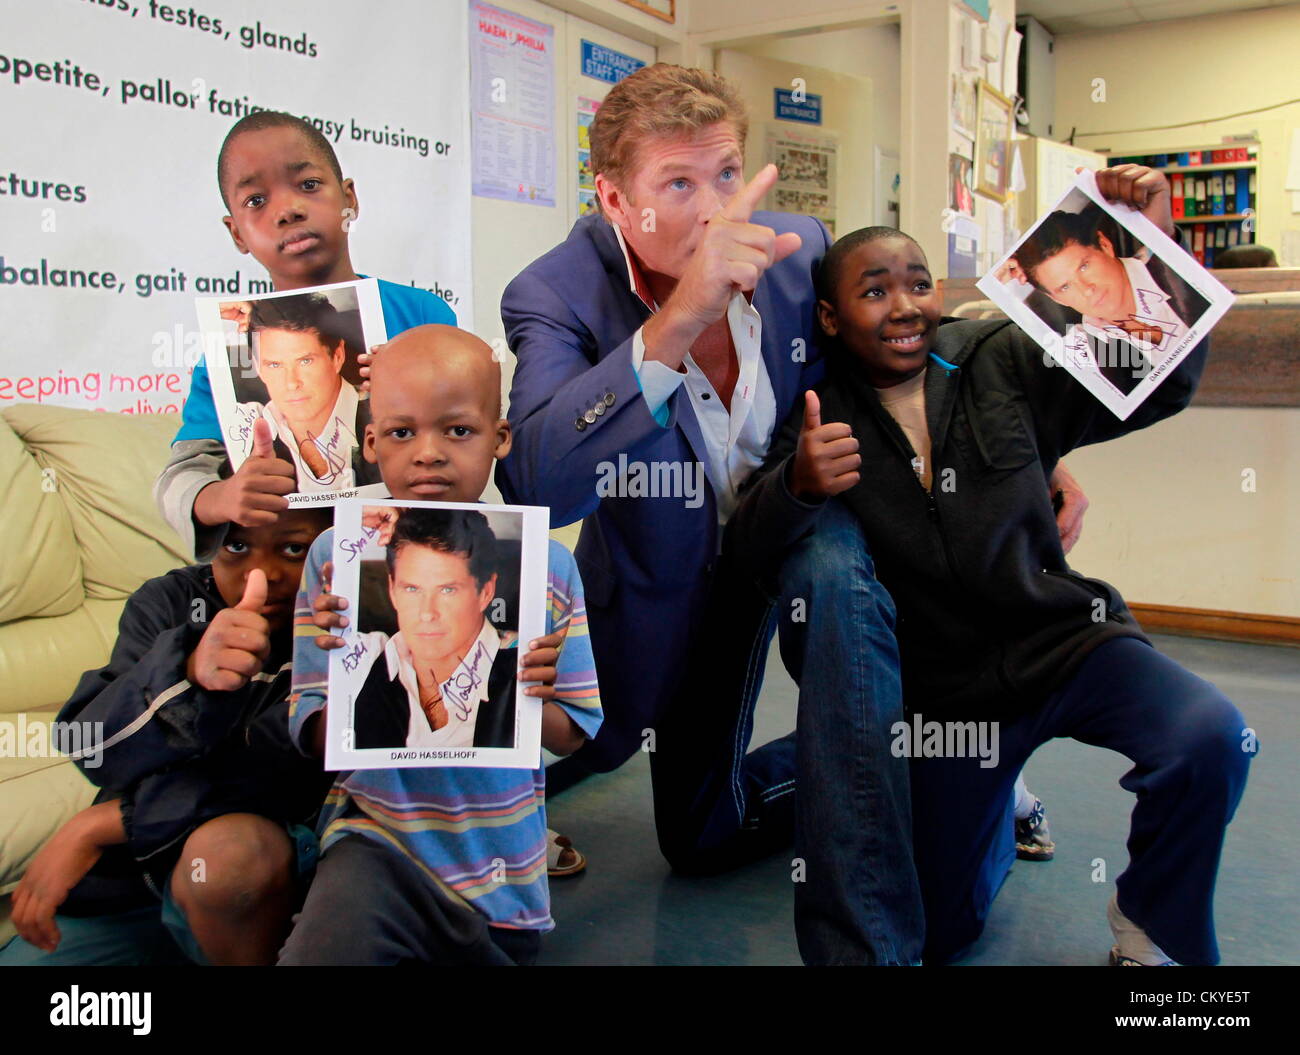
1214, 192
1250, 165
1214, 217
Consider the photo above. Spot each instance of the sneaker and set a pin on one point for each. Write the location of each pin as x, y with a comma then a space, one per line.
1132, 947
1033, 840
1118, 959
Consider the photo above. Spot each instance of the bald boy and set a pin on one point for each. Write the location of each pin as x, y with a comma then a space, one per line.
440, 449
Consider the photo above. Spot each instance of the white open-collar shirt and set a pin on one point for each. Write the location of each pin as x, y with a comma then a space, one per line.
735, 441
462, 692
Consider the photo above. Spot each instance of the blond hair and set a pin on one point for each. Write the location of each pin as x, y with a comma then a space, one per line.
659, 100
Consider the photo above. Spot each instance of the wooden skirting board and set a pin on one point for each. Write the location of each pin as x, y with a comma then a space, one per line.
1227, 626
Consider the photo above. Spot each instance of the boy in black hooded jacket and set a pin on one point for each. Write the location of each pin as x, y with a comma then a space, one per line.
205, 804
939, 436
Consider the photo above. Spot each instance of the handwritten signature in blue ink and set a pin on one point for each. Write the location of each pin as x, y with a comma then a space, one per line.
352, 658
466, 681
354, 547
241, 430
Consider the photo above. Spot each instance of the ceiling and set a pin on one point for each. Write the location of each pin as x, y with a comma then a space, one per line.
1075, 16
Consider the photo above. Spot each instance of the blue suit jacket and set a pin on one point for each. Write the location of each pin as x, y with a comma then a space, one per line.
645, 562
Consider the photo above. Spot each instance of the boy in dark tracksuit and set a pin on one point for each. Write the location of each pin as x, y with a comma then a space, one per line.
947, 480
204, 799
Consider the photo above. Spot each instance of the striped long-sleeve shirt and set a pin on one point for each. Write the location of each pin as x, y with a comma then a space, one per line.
478, 833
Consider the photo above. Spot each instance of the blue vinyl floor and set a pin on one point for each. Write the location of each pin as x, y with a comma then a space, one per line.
629, 909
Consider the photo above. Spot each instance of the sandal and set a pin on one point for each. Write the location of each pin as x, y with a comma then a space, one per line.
561, 857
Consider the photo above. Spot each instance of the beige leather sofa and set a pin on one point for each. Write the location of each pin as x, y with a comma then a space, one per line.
78, 534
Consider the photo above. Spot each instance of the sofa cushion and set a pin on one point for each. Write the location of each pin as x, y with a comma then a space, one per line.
41, 660
37, 796
104, 466
41, 573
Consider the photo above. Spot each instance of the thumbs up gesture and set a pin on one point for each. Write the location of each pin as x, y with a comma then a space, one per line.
826, 460
236, 642
254, 496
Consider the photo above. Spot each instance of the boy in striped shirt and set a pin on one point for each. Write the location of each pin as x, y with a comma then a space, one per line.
440, 865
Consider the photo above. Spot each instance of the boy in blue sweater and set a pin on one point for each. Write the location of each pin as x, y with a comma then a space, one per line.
288, 207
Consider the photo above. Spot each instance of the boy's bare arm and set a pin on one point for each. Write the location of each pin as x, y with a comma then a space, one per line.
59, 866
560, 733
313, 734
193, 466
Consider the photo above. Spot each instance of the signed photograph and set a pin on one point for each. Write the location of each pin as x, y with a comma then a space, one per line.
1108, 295
441, 598
290, 359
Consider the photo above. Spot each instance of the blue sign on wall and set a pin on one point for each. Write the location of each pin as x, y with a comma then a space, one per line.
807, 109
606, 64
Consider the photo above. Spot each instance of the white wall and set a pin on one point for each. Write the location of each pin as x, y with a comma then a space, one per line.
727, 17
846, 116
1169, 523
864, 51
508, 236
1188, 70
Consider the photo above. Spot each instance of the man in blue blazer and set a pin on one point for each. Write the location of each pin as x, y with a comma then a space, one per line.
658, 347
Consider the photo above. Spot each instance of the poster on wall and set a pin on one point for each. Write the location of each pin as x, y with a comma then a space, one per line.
889, 184
586, 179
111, 223
961, 134
961, 195
512, 81
806, 180
994, 128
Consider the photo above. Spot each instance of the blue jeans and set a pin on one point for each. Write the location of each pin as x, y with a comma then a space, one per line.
859, 901
1185, 739
719, 805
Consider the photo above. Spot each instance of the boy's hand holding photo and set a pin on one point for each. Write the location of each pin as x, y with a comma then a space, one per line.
254, 495
236, 642
539, 665
238, 312
59, 866
1146, 189
363, 362
326, 607
382, 520
826, 460
560, 735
